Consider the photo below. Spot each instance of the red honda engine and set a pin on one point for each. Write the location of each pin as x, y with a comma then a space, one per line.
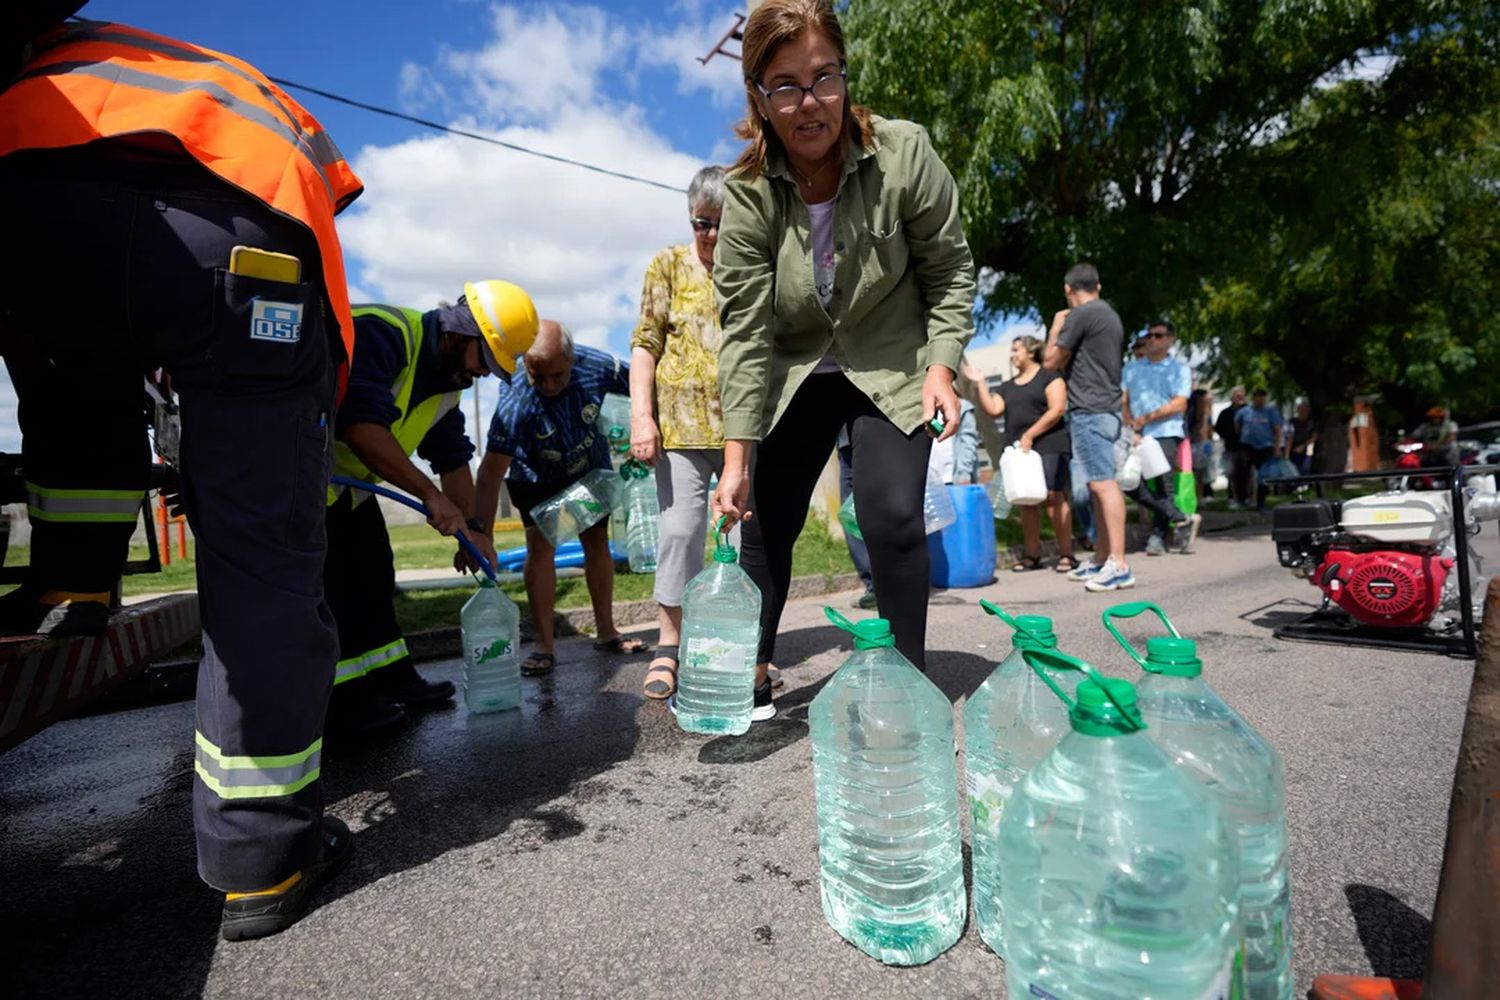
1384, 587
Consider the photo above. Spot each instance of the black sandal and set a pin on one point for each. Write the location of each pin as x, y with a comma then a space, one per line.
623, 645
538, 664
661, 675
1065, 564
1027, 564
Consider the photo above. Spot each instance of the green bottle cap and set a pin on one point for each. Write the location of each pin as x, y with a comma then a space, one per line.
1172, 657
1035, 633
1105, 706
485, 581
724, 553
873, 633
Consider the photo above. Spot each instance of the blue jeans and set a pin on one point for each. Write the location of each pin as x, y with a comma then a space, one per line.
1093, 436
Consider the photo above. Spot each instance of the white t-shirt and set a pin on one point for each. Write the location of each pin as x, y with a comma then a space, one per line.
823, 262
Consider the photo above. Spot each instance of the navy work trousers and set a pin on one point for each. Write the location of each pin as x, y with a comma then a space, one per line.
125, 270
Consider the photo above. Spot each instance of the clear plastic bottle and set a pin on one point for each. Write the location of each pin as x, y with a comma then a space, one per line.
720, 640
937, 505
1121, 876
642, 516
1010, 723
998, 501
1210, 741
564, 516
490, 626
889, 847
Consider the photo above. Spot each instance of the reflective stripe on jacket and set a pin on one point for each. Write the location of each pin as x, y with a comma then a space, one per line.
93, 80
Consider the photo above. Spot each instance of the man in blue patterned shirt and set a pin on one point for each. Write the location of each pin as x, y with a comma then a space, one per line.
543, 439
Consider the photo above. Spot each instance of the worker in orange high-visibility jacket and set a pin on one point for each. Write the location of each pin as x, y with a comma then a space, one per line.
175, 211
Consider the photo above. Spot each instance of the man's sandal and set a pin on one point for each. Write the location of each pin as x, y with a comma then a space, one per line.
622, 645
661, 675
538, 664
1027, 564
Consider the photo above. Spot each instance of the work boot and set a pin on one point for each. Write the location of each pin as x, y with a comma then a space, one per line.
27, 611
401, 683
249, 915
357, 710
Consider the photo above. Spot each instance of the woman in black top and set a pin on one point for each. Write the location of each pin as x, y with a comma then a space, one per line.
1033, 404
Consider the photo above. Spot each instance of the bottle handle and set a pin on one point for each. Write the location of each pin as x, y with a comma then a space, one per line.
999, 613
1130, 610
1041, 660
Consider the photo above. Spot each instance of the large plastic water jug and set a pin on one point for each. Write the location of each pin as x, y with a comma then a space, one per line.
889, 849
963, 553
937, 506
642, 516
1010, 723
1210, 741
720, 641
1121, 879
582, 505
1025, 479
490, 628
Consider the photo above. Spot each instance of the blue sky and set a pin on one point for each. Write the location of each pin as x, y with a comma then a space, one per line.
616, 84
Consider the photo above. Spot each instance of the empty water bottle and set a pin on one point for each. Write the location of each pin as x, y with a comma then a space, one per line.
720, 639
937, 505
1210, 741
889, 848
490, 627
582, 505
1010, 723
1120, 879
998, 501
642, 516
614, 423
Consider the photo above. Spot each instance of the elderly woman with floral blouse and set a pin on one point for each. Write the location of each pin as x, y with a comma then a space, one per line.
675, 422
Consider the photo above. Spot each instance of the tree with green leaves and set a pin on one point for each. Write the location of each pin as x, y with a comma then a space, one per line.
1306, 185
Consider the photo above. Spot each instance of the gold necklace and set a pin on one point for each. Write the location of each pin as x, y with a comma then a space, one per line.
808, 181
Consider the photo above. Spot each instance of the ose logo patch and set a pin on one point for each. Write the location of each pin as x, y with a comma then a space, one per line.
278, 322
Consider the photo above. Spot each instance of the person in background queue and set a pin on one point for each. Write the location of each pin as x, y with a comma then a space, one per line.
1086, 342
1033, 404
845, 291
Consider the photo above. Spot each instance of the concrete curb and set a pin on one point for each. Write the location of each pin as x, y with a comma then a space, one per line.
443, 643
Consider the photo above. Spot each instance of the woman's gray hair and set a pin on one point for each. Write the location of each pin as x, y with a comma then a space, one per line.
707, 189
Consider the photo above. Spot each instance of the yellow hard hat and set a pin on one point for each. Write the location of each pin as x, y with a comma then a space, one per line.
507, 320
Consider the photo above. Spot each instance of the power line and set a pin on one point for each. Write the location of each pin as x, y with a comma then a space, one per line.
439, 126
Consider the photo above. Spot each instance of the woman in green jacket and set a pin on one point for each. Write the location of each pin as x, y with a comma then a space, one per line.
846, 292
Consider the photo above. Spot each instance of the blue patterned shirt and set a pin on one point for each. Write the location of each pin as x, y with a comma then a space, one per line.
1152, 385
555, 439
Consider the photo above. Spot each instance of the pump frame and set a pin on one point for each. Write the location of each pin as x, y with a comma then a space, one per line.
1334, 625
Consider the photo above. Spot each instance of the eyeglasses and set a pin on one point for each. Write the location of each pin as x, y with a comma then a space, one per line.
702, 225
827, 88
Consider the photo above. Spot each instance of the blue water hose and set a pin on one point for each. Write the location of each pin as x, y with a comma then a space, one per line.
419, 507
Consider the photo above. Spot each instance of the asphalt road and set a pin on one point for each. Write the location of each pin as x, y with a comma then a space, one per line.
585, 847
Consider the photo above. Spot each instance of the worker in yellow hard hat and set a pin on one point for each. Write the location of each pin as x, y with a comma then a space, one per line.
409, 371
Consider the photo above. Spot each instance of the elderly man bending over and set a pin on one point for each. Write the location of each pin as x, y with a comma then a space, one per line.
543, 439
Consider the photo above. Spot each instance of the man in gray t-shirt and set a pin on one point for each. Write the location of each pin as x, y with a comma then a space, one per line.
1086, 343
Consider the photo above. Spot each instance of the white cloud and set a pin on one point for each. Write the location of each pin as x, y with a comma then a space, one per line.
441, 210
684, 44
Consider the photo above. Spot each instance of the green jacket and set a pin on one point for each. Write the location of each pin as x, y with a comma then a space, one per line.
903, 293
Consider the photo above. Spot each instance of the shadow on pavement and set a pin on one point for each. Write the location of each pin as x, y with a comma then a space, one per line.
1278, 613
98, 856
1393, 935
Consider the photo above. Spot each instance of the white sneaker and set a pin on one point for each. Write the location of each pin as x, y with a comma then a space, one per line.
1155, 546
1085, 571
1110, 577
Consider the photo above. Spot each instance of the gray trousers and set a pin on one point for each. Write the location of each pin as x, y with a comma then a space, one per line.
682, 477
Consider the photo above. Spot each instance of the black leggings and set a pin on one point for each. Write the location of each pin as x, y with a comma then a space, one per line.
890, 474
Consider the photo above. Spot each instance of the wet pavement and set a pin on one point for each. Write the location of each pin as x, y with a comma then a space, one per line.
583, 846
